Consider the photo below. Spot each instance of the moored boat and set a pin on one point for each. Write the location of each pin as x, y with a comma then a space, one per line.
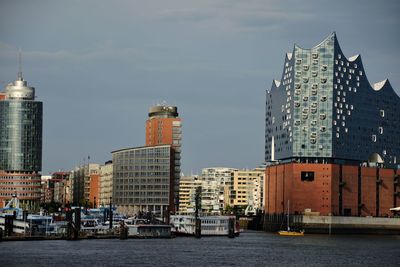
288, 231
214, 225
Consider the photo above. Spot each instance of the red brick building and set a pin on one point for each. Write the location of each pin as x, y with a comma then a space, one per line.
331, 189
94, 192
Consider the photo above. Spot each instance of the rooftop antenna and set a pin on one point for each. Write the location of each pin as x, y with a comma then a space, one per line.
19, 65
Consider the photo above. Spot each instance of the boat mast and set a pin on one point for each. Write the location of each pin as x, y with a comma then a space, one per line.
288, 228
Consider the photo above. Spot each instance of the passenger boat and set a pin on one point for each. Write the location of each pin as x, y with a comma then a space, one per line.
288, 231
215, 225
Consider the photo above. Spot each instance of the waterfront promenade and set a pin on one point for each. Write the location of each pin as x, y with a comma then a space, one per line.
250, 249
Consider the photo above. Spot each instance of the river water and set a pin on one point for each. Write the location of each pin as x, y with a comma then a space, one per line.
249, 249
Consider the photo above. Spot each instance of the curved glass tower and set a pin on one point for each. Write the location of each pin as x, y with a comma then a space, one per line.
20, 143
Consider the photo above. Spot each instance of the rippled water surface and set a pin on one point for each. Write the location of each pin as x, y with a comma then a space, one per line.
250, 249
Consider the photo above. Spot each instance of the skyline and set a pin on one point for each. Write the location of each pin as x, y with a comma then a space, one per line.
202, 58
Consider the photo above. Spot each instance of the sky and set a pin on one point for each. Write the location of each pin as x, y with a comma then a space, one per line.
99, 65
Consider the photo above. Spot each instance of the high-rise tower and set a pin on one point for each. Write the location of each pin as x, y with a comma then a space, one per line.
164, 128
20, 144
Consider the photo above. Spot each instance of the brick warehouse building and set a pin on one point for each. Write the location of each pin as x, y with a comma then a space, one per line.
331, 189
332, 140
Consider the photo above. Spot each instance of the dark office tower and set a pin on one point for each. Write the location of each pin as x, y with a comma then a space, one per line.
323, 109
20, 144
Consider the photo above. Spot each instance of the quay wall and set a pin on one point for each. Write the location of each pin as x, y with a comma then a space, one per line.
331, 224
340, 224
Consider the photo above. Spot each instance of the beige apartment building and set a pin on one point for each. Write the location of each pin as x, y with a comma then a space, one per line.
247, 188
106, 183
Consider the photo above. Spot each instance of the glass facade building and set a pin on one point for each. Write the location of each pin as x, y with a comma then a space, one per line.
324, 108
21, 135
20, 143
143, 179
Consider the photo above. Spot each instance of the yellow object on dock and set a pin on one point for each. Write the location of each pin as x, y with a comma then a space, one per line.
291, 233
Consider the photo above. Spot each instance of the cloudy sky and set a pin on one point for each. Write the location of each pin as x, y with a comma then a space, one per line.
99, 65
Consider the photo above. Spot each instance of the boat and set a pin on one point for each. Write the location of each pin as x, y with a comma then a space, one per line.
92, 225
213, 225
288, 231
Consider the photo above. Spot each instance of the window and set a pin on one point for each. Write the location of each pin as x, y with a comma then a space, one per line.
307, 176
382, 113
381, 130
373, 138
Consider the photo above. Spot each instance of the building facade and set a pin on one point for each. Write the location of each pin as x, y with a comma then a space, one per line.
164, 127
81, 183
248, 188
106, 183
20, 144
143, 179
216, 182
187, 187
332, 141
331, 189
324, 109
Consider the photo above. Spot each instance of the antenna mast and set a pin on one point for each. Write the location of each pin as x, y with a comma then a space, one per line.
19, 65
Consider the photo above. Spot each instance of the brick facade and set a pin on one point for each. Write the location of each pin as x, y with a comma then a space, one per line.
333, 189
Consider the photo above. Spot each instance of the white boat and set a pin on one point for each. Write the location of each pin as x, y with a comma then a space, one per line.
92, 225
215, 225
